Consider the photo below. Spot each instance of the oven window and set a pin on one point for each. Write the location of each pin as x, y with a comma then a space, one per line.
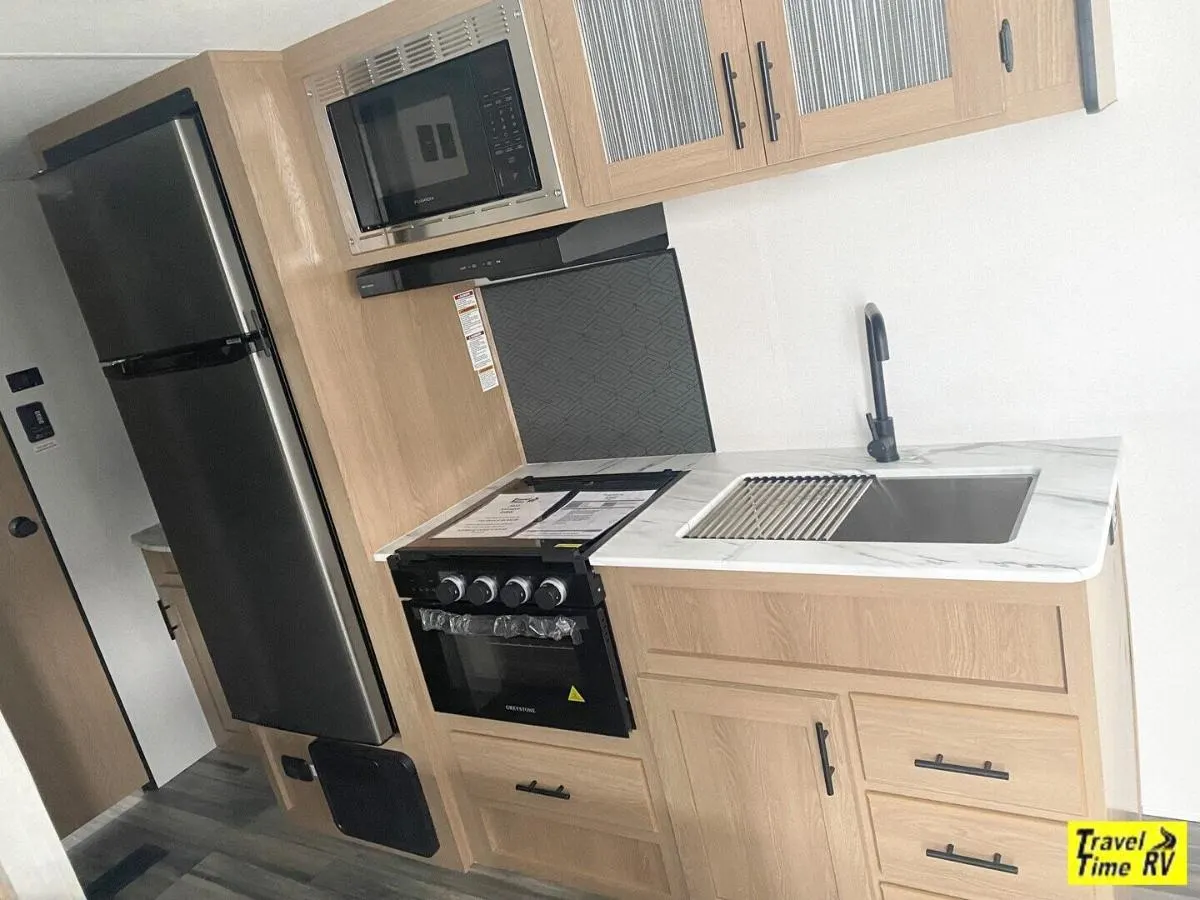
491, 669
439, 140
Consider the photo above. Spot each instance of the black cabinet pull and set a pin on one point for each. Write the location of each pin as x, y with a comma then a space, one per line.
1007, 51
939, 763
166, 619
826, 769
764, 71
993, 864
739, 126
558, 793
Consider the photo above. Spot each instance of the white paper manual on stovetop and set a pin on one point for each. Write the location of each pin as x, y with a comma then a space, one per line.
503, 516
588, 514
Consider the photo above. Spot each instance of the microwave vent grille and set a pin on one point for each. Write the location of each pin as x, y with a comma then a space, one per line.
451, 38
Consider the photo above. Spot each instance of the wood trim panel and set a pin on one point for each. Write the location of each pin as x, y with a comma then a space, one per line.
987, 641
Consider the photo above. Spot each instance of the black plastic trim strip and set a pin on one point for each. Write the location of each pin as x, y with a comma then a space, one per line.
181, 103
1085, 29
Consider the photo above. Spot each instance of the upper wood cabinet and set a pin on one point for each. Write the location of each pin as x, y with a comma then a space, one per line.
650, 90
840, 73
745, 782
665, 93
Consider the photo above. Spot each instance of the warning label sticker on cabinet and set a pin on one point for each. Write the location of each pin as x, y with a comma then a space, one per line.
471, 321
481, 352
488, 380
465, 300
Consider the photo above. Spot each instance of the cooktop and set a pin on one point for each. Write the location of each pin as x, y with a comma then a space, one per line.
555, 518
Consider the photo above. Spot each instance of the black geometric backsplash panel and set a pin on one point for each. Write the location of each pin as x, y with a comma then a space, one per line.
600, 361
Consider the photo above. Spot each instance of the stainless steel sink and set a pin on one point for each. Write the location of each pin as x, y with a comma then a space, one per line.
976, 509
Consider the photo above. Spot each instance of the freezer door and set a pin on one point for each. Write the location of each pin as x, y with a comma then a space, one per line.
242, 515
145, 239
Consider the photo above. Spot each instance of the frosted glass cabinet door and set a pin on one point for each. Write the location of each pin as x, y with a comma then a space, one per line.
650, 88
840, 73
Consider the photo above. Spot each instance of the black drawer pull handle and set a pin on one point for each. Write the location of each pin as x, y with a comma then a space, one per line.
171, 629
558, 793
993, 864
984, 771
823, 747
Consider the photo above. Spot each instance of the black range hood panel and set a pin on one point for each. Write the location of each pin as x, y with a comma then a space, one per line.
614, 236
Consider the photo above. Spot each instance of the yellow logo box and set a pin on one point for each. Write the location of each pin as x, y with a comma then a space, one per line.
1132, 853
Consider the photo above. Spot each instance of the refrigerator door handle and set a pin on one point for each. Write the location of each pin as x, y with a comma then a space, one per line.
218, 220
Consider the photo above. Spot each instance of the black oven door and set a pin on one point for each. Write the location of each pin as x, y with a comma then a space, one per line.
446, 138
557, 669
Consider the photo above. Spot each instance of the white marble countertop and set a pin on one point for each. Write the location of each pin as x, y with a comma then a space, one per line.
152, 538
1062, 536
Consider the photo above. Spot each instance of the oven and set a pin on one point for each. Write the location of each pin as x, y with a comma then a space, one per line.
438, 132
555, 668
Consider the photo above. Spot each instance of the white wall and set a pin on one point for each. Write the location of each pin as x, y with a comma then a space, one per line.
1039, 281
90, 487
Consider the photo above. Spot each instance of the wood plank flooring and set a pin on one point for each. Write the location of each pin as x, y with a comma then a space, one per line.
225, 839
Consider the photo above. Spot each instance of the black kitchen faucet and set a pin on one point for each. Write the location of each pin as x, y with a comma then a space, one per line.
883, 430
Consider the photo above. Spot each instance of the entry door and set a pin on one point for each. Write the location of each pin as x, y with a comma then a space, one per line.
54, 692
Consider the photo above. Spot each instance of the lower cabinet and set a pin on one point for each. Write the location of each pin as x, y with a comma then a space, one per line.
758, 786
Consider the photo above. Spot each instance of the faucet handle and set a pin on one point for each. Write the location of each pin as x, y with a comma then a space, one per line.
883, 439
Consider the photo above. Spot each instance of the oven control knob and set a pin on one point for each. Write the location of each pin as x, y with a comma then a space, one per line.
516, 591
450, 590
550, 593
482, 590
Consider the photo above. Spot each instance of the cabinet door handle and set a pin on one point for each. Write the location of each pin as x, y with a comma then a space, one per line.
764, 71
558, 793
739, 138
823, 747
171, 629
1007, 50
993, 864
939, 763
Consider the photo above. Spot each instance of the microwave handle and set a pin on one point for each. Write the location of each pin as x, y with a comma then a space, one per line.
364, 192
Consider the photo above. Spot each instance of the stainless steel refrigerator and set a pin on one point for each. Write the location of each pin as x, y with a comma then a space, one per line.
140, 220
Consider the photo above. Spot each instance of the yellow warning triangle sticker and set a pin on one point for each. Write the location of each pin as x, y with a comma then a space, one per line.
574, 696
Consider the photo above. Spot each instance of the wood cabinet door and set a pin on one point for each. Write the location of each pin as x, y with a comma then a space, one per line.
842, 73
649, 87
746, 790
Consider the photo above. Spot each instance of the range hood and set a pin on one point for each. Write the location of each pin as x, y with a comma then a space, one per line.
614, 236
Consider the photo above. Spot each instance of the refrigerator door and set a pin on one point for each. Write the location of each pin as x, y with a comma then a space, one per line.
235, 494
146, 242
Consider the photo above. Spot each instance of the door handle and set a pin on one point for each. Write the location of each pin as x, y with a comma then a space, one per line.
22, 527
823, 748
764, 71
739, 139
995, 864
171, 629
1007, 51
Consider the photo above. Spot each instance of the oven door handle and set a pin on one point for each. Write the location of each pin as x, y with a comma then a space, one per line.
559, 793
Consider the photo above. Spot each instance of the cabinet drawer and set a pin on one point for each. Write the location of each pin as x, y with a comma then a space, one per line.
951, 631
163, 570
606, 790
550, 847
1039, 754
906, 829
891, 892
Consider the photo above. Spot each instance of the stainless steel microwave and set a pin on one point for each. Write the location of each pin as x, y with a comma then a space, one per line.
438, 132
